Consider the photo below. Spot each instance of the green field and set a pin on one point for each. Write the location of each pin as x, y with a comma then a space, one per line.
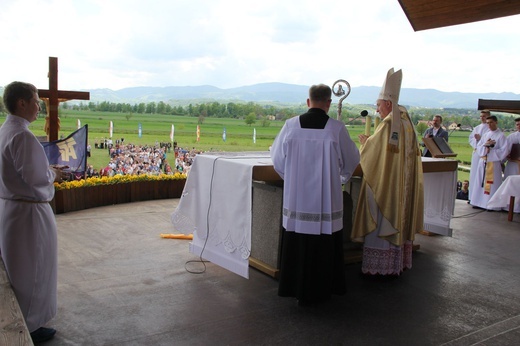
156, 128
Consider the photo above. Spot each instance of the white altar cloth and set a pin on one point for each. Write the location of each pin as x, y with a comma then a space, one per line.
440, 191
217, 200
509, 187
216, 206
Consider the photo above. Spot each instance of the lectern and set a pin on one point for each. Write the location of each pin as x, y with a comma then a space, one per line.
438, 147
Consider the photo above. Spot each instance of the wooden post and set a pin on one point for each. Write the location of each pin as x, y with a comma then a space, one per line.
53, 99
511, 208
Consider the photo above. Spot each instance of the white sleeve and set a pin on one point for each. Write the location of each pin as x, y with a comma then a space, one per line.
349, 154
278, 152
32, 165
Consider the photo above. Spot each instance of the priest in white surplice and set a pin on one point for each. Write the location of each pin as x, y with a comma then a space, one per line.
28, 238
313, 153
491, 149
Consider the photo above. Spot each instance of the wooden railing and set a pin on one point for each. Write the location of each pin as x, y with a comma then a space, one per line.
13, 330
96, 196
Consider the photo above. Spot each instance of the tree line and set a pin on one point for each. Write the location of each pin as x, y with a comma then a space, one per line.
250, 111
235, 110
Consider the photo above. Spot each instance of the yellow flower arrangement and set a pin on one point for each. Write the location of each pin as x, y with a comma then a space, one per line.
116, 179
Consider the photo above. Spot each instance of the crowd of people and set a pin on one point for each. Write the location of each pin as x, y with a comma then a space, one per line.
386, 219
312, 255
131, 159
494, 159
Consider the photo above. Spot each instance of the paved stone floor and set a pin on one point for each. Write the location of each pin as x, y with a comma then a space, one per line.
119, 283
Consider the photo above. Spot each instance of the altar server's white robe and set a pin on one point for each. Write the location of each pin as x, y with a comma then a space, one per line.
28, 237
479, 196
312, 198
475, 158
512, 167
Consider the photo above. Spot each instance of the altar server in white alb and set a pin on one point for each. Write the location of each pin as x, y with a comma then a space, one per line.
474, 139
491, 149
513, 164
313, 153
28, 239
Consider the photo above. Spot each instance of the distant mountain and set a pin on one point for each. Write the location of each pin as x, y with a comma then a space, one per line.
282, 93
289, 94
266, 92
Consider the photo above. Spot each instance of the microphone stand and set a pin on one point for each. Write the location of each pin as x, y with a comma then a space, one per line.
458, 127
363, 114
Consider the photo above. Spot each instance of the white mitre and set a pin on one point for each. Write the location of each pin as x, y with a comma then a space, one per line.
390, 92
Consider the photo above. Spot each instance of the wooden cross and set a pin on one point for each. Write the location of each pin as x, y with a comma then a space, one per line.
55, 96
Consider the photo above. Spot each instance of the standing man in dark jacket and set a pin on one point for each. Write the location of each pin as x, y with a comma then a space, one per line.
435, 131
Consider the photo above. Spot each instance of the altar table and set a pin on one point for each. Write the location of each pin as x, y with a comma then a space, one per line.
440, 191
506, 194
216, 207
216, 204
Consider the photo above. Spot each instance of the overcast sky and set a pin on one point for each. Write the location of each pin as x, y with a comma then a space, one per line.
126, 43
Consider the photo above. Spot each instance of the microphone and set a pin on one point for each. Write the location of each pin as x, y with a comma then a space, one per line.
363, 114
453, 129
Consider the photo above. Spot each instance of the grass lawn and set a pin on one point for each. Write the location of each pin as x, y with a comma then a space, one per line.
156, 128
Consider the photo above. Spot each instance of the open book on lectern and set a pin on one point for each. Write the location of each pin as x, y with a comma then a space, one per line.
438, 147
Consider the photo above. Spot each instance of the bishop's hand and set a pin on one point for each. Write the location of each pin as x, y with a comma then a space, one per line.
363, 138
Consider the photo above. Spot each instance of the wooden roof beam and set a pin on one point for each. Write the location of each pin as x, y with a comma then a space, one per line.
430, 14
507, 106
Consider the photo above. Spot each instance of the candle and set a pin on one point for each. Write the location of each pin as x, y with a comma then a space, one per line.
368, 123
377, 120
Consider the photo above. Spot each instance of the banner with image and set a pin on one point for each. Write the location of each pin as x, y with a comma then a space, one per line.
71, 151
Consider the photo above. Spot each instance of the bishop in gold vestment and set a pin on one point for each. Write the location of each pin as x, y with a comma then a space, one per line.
391, 202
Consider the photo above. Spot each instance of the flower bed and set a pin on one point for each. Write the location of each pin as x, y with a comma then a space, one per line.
97, 192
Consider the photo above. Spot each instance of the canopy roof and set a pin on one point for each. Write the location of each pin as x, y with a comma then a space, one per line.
430, 14
500, 105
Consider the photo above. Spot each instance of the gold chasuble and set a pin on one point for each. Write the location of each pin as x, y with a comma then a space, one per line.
392, 183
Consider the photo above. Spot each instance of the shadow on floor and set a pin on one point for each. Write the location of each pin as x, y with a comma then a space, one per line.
119, 283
